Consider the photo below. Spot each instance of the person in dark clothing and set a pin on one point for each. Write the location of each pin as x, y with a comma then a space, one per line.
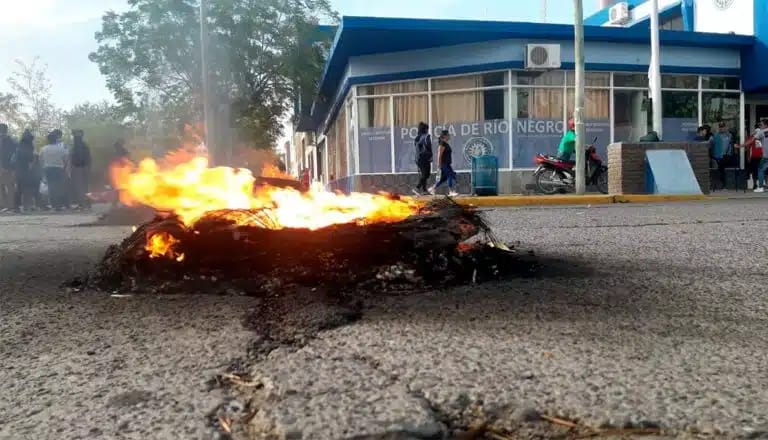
702, 134
721, 145
80, 169
7, 179
423, 144
445, 161
27, 186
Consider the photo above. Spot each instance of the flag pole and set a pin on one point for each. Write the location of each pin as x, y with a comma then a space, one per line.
654, 70
578, 34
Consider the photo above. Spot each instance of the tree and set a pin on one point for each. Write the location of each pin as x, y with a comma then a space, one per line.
33, 88
11, 111
262, 56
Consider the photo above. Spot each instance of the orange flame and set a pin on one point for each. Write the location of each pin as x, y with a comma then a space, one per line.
161, 244
190, 189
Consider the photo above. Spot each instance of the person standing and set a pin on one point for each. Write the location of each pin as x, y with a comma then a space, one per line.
567, 147
23, 167
54, 160
423, 143
80, 169
7, 178
445, 161
720, 147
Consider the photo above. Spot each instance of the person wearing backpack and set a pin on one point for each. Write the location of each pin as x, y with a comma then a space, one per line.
80, 169
423, 143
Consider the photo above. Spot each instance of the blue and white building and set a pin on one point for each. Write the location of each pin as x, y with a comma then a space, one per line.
506, 88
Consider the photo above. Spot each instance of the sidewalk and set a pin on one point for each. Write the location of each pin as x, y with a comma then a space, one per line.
588, 199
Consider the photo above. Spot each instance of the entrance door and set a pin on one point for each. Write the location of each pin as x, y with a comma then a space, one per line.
756, 110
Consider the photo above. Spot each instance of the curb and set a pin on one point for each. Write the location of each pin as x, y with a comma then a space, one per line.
589, 199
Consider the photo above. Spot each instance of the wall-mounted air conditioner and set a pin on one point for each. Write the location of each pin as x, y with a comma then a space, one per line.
619, 14
542, 56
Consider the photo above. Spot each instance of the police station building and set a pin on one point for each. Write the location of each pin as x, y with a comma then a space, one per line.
507, 88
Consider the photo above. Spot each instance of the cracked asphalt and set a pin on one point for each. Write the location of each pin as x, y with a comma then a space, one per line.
644, 316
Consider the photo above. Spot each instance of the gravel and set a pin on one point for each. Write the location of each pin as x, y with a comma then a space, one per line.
643, 316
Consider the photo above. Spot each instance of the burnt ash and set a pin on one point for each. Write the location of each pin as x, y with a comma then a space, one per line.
445, 244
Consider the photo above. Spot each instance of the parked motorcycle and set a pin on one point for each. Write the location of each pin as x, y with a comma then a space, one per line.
554, 175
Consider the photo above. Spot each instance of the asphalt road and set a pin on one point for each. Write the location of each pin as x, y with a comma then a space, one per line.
643, 316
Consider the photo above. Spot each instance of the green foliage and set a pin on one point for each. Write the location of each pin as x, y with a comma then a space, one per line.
262, 55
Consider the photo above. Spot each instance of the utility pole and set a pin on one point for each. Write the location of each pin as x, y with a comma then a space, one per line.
578, 110
206, 92
654, 71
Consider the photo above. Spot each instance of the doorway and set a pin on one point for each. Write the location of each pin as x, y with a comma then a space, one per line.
756, 110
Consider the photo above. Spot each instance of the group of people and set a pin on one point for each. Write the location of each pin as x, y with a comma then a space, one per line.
424, 158
56, 177
722, 150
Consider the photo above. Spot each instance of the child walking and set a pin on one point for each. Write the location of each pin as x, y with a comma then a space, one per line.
445, 162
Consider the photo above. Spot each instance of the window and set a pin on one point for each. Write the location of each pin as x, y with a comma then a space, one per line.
680, 82
721, 107
673, 24
539, 103
630, 80
720, 82
538, 123
341, 144
680, 115
631, 115
477, 121
392, 88
490, 79
374, 135
591, 79
548, 78
409, 111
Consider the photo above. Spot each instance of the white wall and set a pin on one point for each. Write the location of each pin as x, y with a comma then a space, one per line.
735, 16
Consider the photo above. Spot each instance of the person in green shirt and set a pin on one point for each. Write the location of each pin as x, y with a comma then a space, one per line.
567, 143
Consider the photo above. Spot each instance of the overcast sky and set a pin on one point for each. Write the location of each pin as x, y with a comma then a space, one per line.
61, 32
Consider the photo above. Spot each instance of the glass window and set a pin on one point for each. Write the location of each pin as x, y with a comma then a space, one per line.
374, 135
470, 81
341, 144
390, 88
630, 80
591, 79
597, 116
537, 123
597, 103
720, 82
721, 107
409, 111
631, 115
673, 24
680, 115
680, 82
331, 151
477, 122
548, 78
539, 103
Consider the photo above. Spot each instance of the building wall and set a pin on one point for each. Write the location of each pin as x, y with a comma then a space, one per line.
736, 17
508, 51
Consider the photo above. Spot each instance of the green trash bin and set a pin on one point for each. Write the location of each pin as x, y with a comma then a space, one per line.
485, 176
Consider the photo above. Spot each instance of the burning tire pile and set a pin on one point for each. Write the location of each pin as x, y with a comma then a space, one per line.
217, 234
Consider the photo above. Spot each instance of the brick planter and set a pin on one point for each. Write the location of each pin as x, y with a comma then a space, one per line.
626, 164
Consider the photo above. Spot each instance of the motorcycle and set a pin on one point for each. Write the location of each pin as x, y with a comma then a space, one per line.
554, 175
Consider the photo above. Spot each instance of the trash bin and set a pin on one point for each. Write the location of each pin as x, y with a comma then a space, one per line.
485, 176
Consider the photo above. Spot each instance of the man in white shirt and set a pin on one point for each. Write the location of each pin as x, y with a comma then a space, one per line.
54, 158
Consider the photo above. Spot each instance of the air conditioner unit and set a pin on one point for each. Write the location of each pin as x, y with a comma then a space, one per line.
619, 14
542, 56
